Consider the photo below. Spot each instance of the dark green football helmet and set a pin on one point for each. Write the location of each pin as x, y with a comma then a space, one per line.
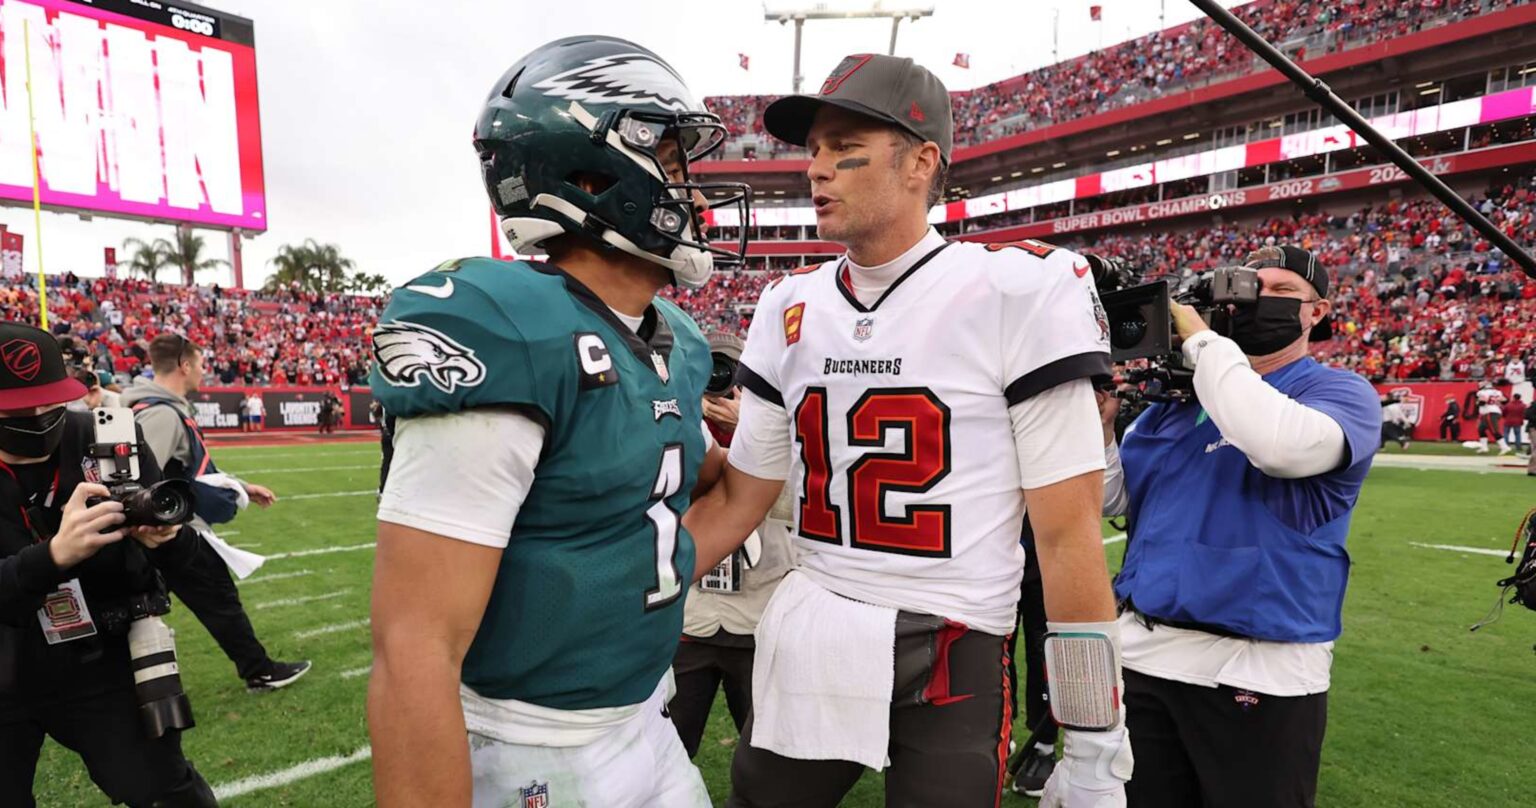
600, 107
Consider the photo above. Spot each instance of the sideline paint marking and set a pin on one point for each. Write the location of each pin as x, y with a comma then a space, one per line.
375, 466
370, 491
296, 601
1455, 549
307, 769
356, 672
321, 551
278, 577
331, 629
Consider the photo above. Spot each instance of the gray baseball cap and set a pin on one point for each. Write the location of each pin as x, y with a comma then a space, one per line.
892, 89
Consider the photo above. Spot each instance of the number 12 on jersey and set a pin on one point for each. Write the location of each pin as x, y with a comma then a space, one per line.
920, 462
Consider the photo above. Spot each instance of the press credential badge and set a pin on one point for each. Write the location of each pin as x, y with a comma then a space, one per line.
64, 615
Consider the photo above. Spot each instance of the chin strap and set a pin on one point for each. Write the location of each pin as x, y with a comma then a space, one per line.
689, 266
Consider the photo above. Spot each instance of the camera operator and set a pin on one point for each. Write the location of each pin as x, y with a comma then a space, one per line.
163, 412
722, 611
68, 582
1233, 582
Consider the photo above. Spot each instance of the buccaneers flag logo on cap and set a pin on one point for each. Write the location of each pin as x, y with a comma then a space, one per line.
844, 69
21, 358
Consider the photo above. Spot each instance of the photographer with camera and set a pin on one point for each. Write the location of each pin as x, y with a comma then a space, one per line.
84, 656
723, 609
163, 412
1239, 504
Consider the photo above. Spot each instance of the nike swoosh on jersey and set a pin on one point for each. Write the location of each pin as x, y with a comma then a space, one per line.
1082, 270
441, 292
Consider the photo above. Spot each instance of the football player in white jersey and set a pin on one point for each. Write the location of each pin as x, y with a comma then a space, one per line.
920, 396
1490, 408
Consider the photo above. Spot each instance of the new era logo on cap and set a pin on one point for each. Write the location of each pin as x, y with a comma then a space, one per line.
916, 113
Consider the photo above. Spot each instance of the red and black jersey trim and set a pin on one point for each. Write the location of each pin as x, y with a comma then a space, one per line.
748, 378
845, 287
1093, 365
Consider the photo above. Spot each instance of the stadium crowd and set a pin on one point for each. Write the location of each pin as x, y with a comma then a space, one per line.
1148, 67
1421, 296
288, 337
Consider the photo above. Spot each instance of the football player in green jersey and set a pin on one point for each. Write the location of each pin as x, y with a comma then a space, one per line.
531, 567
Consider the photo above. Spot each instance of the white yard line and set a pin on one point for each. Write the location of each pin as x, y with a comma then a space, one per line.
369, 492
1115, 539
227, 533
321, 551
261, 579
305, 770
331, 629
373, 466
356, 672
1457, 549
270, 604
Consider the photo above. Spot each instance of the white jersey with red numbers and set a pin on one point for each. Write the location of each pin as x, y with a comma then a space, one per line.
904, 454
1490, 402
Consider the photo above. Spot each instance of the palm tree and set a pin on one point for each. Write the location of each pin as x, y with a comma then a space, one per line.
314, 266
330, 265
364, 284
187, 253
147, 258
292, 266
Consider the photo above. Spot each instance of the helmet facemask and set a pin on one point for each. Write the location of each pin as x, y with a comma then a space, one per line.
642, 136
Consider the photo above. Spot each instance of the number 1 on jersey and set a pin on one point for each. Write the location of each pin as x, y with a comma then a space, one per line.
669, 480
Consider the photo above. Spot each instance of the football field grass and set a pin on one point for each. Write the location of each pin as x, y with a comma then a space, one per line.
1422, 712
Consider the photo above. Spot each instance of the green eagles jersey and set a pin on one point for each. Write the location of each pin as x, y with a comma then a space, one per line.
588, 601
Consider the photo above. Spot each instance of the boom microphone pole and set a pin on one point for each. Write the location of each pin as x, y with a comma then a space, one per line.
1324, 96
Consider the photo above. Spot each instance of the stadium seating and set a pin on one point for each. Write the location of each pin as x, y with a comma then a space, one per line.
1144, 68
1420, 293
256, 338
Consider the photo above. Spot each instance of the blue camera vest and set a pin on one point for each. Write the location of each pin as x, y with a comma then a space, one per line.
1215, 541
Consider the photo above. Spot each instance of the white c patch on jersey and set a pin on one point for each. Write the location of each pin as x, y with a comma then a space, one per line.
406, 351
630, 79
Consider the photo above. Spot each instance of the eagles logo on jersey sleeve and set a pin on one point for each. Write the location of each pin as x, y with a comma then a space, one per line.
445, 345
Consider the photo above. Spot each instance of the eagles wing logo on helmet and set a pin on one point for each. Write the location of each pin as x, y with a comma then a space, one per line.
630, 79
405, 351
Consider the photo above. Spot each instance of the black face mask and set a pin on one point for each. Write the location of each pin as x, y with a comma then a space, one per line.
32, 436
1267, 326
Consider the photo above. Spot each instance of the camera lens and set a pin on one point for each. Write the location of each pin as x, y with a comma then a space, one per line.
1129, 333
168, 506
721, 375
168, 502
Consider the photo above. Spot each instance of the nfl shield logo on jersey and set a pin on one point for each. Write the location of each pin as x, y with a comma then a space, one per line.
863, 329
536, 795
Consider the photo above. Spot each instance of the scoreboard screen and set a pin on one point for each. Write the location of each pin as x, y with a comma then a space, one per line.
143, 108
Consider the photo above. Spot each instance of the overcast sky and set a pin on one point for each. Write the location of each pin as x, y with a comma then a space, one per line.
367, 107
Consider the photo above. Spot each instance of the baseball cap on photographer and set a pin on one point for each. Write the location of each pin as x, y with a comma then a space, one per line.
1303, 263
32, 372
892, 89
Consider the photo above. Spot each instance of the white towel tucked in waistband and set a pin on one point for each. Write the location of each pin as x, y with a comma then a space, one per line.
822, 676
